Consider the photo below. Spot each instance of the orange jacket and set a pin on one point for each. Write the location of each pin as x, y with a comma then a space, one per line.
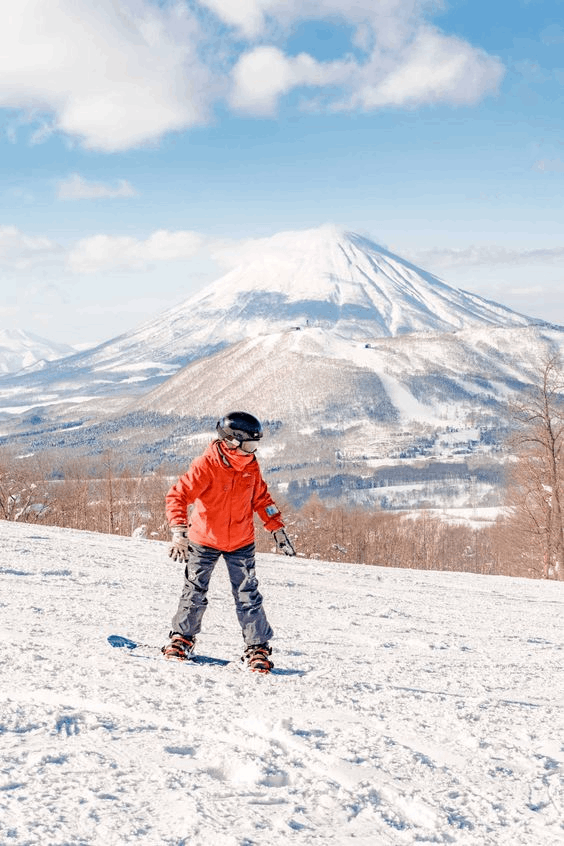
224, 500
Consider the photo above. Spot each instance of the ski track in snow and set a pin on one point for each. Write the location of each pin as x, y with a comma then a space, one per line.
412, 707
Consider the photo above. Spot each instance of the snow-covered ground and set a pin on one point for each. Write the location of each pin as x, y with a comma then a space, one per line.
408, 707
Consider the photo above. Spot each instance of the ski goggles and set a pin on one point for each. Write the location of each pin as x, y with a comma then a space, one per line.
249, 446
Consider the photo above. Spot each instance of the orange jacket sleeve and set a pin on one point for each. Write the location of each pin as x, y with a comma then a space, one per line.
181, 495
266, 508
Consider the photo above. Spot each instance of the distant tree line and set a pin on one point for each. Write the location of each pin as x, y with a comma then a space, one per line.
96, 494
387, 539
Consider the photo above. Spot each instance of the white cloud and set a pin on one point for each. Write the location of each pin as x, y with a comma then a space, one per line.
409, 64
487, 255
532, 291
247, 16
19, 251
278, 248
113, 74
9, 311
549, 166
265, 73
391, 19
129, 306
552, 34
116, 74
76, 187
106, 252
432, 68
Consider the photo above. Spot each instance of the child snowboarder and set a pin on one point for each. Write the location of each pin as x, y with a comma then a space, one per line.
224, 487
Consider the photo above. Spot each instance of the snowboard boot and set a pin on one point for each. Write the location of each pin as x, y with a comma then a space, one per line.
257, 658
178, 648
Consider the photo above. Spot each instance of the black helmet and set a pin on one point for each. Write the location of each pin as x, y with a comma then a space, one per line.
238, 427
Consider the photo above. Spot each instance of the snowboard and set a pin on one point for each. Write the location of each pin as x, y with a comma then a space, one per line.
148, 650
136, 649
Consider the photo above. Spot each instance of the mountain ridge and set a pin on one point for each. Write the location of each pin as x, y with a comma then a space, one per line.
318, 374
323, 277
20, 349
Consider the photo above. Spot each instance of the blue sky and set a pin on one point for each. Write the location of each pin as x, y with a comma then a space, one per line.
139, 137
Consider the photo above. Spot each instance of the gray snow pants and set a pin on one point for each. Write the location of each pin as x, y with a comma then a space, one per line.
244, 585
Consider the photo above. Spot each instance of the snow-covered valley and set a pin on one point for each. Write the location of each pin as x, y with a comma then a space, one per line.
408, 707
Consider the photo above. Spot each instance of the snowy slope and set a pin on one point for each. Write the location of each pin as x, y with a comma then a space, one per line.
325, 278
409, 707
19, 349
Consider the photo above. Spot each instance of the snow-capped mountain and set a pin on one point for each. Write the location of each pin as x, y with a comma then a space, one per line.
322, 278
339, 280
20, 349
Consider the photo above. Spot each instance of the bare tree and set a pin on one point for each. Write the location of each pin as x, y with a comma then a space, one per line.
536, 490
24, 495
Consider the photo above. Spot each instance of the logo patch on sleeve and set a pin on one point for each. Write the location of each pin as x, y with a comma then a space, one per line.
271, 510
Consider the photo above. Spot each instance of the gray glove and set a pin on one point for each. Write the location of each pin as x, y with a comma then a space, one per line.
283, 543
179, 546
